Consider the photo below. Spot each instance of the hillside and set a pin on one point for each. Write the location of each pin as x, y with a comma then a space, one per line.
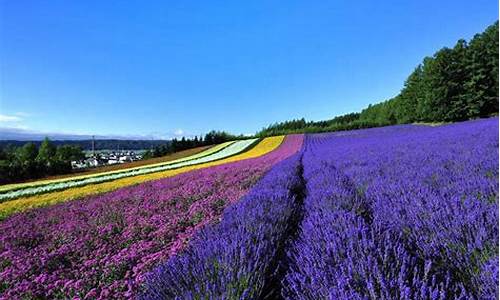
406, 201
396, 200
454, 84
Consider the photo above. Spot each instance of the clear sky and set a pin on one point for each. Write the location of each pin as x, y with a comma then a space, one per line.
184, 67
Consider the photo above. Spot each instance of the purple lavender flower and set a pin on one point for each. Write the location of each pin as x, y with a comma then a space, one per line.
402, 212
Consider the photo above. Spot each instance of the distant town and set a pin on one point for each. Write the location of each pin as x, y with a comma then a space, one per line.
27, 160
107, 157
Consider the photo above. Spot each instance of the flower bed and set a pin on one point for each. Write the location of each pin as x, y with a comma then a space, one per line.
232, 259
9, 207
17, 186
230, 150
101, 247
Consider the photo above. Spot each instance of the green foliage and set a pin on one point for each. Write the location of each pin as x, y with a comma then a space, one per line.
67, 153
46, 152
28, 152
175, 145
217, 137
64, 155
482, 66
455, 84
30, 162
148, 154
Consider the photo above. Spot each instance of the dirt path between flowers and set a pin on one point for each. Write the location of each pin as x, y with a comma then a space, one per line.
273, 282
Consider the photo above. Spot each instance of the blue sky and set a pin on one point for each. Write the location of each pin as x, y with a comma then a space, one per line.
166, 68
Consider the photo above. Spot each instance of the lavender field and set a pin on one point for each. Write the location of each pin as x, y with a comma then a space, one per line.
249, 150
403, 212
399, 212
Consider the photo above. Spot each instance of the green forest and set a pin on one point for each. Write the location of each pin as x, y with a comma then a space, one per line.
455, 84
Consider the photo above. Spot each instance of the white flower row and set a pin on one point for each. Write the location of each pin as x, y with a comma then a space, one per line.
230, 150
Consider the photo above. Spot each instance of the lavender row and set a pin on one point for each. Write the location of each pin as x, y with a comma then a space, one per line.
340, 256
236, 258
407, 212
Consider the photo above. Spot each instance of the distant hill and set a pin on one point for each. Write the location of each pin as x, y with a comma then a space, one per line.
20, 134
100, 144
19, 137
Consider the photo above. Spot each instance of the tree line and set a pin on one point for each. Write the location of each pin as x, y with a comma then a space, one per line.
31, 161
175, 145
455, 84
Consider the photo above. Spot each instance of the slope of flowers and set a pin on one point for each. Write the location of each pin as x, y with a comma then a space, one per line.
9, 207
406, 212
230, 150
17, 186
101, 247
232, 259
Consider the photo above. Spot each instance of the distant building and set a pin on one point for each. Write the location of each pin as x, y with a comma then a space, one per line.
113, 161
125, 158
92, 162
106, 158
78, 164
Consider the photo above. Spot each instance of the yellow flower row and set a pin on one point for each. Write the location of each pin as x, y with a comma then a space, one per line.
7, 208
209, 151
